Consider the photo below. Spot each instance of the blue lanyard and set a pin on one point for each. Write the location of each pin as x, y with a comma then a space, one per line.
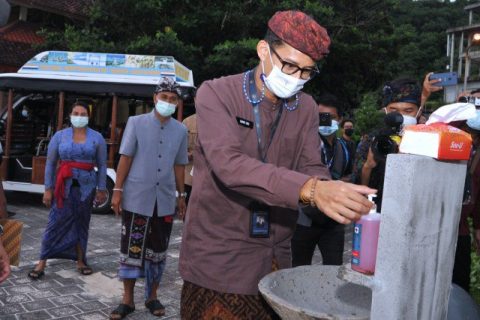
262, 151
325, 156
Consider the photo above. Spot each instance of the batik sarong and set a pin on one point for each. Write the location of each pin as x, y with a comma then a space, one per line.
198, 303
67, 227
143, 248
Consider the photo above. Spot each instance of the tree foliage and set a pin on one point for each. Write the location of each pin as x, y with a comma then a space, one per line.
372, 40
367, 116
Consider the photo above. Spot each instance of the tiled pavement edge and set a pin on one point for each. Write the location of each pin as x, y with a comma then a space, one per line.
63, 293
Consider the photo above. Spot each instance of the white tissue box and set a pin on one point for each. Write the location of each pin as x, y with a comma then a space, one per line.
438, 140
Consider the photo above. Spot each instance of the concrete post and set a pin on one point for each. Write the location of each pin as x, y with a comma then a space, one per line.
418, 235
421, 207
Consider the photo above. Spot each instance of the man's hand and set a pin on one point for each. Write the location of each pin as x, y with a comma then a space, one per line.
371, 162
463, 94
367, 168
341, 201
182, 207
429, 85
47, 198
117, 202
477, 241
4, 263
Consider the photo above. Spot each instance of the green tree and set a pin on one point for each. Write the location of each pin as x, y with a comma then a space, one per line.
367, 116
372, 40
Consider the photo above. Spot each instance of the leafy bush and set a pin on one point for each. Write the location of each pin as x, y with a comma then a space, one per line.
475, 277
367, 116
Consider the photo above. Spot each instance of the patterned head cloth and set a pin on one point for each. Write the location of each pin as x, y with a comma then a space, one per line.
402, 90
168, 84
301, 32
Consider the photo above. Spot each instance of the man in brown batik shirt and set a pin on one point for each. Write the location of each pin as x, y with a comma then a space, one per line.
255, 160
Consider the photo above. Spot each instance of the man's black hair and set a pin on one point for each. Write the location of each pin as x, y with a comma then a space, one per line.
272, 39
342, 123
329, 100
475, 91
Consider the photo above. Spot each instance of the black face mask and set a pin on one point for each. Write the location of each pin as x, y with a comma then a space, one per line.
349, 132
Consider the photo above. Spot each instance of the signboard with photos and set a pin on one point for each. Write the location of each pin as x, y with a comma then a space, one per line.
108, 65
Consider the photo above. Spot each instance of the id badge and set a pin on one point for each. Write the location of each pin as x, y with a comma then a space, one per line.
259, 222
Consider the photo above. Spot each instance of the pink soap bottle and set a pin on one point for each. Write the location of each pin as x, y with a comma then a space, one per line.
365, 241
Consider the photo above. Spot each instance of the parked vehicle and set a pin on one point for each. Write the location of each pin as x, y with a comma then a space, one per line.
36, 101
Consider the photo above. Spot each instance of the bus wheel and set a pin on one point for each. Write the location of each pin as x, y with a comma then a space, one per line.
104, 208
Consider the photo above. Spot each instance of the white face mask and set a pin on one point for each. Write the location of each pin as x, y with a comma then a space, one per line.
79, 121
165, 109
280, 84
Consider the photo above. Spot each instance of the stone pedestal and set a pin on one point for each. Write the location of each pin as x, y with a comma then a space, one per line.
418, 233
418, 236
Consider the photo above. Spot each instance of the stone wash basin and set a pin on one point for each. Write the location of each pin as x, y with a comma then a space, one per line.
315, 292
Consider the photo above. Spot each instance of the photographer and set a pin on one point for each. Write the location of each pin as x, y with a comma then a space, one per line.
403, 96
472, 97
470, 208
471, 203
318, 229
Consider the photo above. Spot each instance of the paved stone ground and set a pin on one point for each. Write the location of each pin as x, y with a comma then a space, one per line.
63, 293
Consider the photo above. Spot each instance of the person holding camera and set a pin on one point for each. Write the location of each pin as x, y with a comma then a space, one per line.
317, 229
471, 201
472, 97
470, 207
399, 97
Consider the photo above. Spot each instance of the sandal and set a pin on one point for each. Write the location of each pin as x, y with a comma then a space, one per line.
155, 307
85, 270
36, 274
122, 311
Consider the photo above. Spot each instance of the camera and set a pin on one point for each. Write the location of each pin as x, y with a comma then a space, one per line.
325, 119
385, 140
470, 99
382, 145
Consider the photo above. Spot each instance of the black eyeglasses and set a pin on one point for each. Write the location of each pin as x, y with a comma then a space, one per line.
291, 69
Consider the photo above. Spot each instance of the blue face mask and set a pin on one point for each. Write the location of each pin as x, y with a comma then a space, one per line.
79, 121
474, 123
165, 109
328, 131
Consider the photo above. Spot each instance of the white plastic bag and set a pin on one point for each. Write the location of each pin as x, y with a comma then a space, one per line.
452, 112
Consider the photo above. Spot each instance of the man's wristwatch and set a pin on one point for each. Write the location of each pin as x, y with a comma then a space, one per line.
181, 194
1, 229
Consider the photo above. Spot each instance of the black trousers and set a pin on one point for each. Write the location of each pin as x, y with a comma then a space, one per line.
329, 237
463, 262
